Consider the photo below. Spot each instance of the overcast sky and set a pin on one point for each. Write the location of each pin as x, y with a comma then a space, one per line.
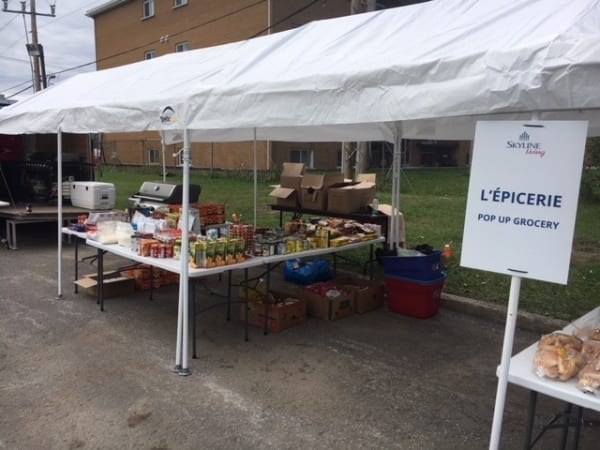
68, 41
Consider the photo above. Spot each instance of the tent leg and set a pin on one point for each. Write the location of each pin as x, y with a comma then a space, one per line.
185, 245
59, 294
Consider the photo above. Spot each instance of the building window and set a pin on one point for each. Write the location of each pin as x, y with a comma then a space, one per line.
182, 47
147, 9
150, 54
301, 155
153, 156
178, 3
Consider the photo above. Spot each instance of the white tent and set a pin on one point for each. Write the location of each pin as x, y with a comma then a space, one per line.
424, 71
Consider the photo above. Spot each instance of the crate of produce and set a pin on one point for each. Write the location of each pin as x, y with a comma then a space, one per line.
416, 298
418, 267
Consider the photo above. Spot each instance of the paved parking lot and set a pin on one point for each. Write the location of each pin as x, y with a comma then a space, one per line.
73, 377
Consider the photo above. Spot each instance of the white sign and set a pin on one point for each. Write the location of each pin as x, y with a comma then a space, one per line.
522, 200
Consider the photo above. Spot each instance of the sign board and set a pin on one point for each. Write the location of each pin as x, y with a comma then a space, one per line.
522, 199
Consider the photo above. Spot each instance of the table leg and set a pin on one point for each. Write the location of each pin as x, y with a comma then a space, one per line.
247, 303
566, 423
281, 219
151, 283
530, 419
579, 421
229, 295
371, 257
266, 330
11, 234
100, 278
193, 318
76, 263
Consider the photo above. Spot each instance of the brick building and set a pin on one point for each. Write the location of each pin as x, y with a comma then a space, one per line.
128, 31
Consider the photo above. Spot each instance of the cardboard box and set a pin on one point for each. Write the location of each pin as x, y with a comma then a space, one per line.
343, 199
288, 192
285, 313
365, 191
114, 285
351, 197
369, 177
324, 307
313, 189
368, 294
285, 196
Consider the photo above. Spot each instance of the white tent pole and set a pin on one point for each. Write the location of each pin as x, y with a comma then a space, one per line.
396, 165
177, 368
185, 246
392, 219
507, 345
59, 294
398, 190
255, 181
162, 147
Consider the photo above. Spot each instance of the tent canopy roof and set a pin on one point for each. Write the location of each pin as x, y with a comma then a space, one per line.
423, 71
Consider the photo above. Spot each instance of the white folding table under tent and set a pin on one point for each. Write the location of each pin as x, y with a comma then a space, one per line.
426, 71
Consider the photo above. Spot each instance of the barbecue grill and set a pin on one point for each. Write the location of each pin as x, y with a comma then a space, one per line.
154, 194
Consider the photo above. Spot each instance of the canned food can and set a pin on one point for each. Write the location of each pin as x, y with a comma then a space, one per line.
299, 245
154, 250
281, 248
168, 250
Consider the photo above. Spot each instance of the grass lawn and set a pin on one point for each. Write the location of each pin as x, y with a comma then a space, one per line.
433, 202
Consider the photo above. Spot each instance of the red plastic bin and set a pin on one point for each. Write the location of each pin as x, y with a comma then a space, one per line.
414, 298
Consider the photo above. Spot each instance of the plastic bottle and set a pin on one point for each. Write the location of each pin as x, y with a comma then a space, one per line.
447, 251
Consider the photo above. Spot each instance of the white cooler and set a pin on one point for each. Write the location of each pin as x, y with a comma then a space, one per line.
92, 194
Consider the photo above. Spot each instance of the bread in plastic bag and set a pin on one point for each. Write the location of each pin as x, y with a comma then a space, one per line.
589, 378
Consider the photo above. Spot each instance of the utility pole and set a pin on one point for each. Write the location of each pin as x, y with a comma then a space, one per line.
35, 49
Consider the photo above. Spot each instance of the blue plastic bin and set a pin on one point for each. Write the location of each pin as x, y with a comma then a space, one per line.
423, 268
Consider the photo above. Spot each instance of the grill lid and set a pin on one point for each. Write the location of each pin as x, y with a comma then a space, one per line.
167, 193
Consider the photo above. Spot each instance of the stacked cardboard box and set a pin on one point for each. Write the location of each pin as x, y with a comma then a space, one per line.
352, 197
288, 192
146, 276
212, 213
314, 189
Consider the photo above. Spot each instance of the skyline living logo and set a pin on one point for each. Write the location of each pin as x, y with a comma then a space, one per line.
168, 116
523, 143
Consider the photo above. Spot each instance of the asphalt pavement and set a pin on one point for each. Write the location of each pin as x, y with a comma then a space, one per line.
72, 377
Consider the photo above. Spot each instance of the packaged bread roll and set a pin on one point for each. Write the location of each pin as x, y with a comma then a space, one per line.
589, 378
557, 362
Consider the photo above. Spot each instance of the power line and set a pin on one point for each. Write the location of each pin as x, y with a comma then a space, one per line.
289, 16
139, 47
8, 23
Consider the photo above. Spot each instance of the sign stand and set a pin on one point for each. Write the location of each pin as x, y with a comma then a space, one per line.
507, 345
514, 215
